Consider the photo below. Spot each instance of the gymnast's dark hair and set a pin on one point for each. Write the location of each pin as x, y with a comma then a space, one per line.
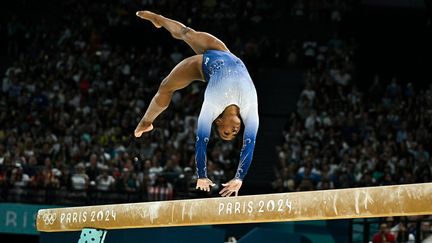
215, 130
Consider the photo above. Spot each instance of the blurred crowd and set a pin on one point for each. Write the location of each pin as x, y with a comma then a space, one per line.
76, 88
72, 96
342, 137
81, 74
404, 229
80, 78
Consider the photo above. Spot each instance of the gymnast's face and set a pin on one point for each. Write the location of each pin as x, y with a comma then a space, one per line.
228, 126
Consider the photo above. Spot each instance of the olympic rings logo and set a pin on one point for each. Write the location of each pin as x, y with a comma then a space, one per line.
49, 218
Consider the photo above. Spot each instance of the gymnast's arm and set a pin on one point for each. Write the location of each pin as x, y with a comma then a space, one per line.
205, 121
251, 122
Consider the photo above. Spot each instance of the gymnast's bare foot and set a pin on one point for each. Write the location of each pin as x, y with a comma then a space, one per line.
150, 16
142, 128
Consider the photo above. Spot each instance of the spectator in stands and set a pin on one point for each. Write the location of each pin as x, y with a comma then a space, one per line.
105, 182
376, 89
216, 174
154, 171
161, 190
129, 181
393, 89
143, 174
383, 235
399, 229
18, 178
80, 180
426, 234
19, 181
93, 167
172, 170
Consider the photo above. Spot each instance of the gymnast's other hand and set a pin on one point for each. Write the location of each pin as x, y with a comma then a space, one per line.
232, 186
204, 184
142, 128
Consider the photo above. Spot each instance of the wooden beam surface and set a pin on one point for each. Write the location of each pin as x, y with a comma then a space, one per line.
400, 200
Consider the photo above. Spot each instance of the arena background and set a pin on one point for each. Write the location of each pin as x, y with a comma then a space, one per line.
344, 89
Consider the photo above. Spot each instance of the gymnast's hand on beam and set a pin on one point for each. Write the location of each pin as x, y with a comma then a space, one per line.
142, 128
204, 184
232, 186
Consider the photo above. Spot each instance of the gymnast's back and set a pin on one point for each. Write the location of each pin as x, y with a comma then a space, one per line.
229, 82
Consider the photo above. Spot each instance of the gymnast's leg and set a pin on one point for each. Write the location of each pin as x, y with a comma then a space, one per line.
181, 76
184, 73
198, 41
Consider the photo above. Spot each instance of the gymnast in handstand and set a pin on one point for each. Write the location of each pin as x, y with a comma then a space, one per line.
230, 97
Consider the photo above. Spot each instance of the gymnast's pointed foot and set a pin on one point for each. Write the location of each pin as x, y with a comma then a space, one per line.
150, 16
142, 128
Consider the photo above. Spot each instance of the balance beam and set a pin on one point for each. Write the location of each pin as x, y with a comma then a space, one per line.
400, 200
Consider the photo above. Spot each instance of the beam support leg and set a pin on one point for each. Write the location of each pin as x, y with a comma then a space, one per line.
89, 235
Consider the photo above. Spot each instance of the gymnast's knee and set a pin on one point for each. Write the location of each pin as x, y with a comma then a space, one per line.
182, 33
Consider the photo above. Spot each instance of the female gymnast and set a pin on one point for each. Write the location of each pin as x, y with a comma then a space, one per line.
230, 97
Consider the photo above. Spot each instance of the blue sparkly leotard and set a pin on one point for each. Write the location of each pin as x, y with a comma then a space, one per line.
229, 83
